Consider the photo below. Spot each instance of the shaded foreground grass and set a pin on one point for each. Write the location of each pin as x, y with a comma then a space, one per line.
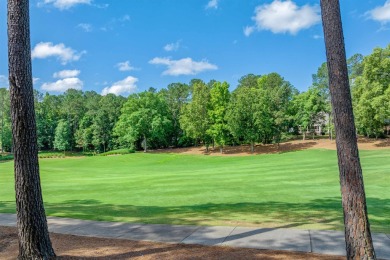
295, 189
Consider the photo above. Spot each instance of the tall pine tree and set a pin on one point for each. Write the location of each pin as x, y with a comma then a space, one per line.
34, 241
357, 229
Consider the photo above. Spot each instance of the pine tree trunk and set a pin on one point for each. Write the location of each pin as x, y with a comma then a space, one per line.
357, 230
34, 241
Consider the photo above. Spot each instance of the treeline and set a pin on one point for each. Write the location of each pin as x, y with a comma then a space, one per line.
73, 120
262, 109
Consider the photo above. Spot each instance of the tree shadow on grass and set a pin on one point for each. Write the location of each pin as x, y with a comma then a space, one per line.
6, 160
376, 142
267, 149
242, 149
383, 143
322, 213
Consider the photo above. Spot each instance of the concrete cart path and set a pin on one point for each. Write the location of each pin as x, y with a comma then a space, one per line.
315, 241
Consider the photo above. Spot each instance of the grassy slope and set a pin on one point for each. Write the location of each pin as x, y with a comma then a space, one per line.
296, 189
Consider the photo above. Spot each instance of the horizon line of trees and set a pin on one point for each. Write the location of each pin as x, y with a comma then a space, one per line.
262, 109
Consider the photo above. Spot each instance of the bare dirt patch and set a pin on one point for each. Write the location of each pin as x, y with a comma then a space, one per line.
296, 145
76, 247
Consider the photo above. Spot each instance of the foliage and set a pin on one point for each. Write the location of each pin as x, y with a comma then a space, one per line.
144, 121
62, 136
244, 115
6, 157
219, 101
195, 119
176, 95
261, 109
73, 110
54, 154
47, 112
118, 152
277, 94
5, 121
105, 120
248, 81
371, 93
309, 109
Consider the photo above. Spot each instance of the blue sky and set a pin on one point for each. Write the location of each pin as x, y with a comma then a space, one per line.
128, 46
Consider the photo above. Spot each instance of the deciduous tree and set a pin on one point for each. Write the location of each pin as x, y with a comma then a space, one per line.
48, 114
219, 101
62, 136
278, 93
244, 115
176, 95
195, 120
309, 108
144, 118
371, 91
103, 123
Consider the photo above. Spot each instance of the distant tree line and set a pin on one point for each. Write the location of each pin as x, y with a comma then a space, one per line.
262, 109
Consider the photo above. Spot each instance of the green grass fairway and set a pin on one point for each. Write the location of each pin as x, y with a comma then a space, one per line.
296, 189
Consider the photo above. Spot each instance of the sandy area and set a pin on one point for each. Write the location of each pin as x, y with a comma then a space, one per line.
76, 247
363, 143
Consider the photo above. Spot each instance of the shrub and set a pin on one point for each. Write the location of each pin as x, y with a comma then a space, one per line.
118, 152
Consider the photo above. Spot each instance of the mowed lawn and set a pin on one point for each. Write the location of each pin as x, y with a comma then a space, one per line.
295, 189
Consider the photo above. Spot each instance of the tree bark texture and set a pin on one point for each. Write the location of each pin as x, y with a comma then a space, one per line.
34, 241
357, 230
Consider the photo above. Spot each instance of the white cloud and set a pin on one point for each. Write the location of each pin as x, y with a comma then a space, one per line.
3, 81
248, 30
86, 27
125, 66
66, 74
125, 86
102, 6
184, 66
380, 13
212, 4
172, 46
285, 17
46, 49
63, 85
124, 18
114, 22
65, 4
317, 36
